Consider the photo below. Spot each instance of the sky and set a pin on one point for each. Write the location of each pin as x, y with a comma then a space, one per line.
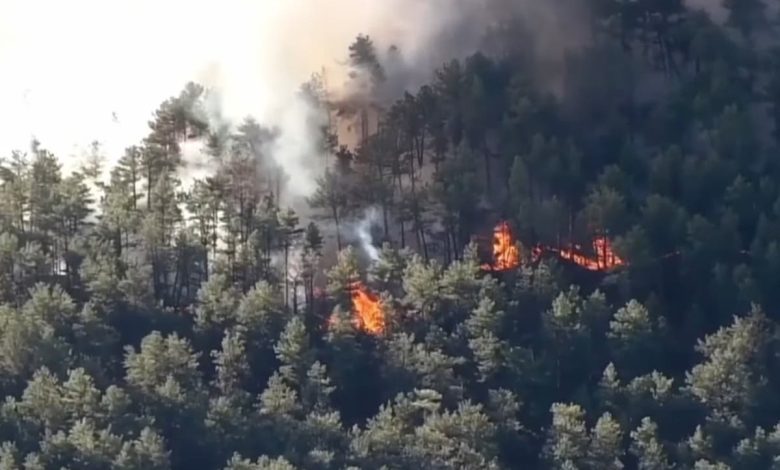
82, 70
87, 70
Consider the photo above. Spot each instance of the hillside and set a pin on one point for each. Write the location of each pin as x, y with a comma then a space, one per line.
563, 260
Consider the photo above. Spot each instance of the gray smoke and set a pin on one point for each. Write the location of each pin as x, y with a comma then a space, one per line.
432, 32
719, 14
714, 9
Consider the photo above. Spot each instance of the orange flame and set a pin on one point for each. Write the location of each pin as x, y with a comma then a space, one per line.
367, 308
506, 254
605, 258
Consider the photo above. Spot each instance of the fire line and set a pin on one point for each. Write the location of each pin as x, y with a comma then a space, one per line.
604, 258
506, 253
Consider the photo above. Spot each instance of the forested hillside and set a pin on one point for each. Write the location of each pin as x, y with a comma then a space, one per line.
569, 267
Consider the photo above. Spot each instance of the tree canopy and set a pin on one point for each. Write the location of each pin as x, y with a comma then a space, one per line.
514, 268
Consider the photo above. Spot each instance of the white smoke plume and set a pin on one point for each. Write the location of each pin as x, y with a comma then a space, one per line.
296, 149
363, 228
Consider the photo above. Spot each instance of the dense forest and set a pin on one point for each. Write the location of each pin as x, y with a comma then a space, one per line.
570, 267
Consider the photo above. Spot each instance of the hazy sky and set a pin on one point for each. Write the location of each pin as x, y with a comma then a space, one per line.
69, 67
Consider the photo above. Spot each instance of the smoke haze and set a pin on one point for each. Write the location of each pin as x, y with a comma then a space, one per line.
102, 68
714, 8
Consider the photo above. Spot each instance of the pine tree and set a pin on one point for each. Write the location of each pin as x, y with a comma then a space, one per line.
316, 390
730, 375
218, 301
278, 399
310, 257
387, 273
606, 446
231, 363
567, 440
332, 196
28, 343
342, 278
294, 352
44, 197
262, 463
146, 452
647, 449
80, 397
261, 312
9, 456
483, 327
160, 359
41, 401
288, 237
634, 337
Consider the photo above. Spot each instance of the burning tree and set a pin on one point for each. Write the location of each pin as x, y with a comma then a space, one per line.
603, 259
506, 253
367, 313
367, 310
349, 292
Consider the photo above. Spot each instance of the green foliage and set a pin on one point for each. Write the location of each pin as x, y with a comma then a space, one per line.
154, 322
645, 446
147, 452
606, 444
567, 441
731, 374
160, 360
27, 342
262, 463
634, 336
231, 365
342, 277
217, 303
293, 351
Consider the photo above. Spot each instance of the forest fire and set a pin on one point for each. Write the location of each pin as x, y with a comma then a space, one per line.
605, 258
506, 254
367, 310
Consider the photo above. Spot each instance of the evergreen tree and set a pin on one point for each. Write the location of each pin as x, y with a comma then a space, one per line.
730, 375
634, 336
293, 351
567, 440
606, 446
646, 447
